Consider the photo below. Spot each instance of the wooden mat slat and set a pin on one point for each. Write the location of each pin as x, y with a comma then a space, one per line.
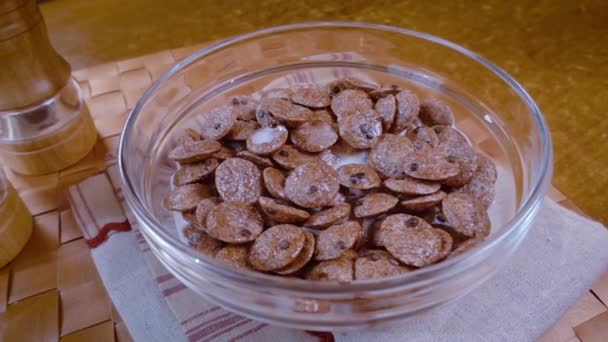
52, 290
102, 332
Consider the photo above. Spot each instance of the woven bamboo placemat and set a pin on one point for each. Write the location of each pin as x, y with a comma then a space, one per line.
52, 291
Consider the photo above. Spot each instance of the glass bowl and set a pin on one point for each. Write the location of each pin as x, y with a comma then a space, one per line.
490, 107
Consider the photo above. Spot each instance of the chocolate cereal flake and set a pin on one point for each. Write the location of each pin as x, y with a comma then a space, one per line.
408, 106
465, 247
361, 129
277, 247
215, 124
453, 144
335, 240
398, 222
386, 108
358, 176
430, 166
289, 114
303, 258
435, 112
224, 153
375, 204
340, 270
418, 247
384, 91
389, 154
373, 264
313, 97
482, 183
314, 136
281, 212
244, 107
352, 83
195, 172
274, 181
242, 130
466, 215
239, 180
412, 186
234, 222
327, 217
267, 140
194, 151
261, 161
349, 101
186, 197
208, 245
203, 208
234, 255
312, 185
290, 157
422, 203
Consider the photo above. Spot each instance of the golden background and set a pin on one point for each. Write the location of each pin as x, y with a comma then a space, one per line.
557, 49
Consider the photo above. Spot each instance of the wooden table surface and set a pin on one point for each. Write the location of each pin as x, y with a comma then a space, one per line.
52, 291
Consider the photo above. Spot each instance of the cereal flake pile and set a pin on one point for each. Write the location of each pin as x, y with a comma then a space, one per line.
338, 183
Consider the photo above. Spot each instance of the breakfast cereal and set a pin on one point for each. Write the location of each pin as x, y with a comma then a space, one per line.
234, 255
358, 176
234, 222
281, 212
215, 124
312, 97
325, 218
375, 204
435, 112
203, 208
348, 101
193, 151
303, 258
277, 247
340, 269
361, 128
386, 108
314, 136
389, 154
195, 172
423, 203
481, 185
312, 185
239, 180
267, 140
289, 157
335, 240
407, 109
331, 182
418, 246
256, 159
186, 197
274, 181
412, 186
466, 215
372, 264
242, 130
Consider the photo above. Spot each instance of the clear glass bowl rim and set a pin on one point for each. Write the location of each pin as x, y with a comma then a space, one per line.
531, 203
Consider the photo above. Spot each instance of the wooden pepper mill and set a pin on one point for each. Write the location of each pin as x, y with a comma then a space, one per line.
44, 124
